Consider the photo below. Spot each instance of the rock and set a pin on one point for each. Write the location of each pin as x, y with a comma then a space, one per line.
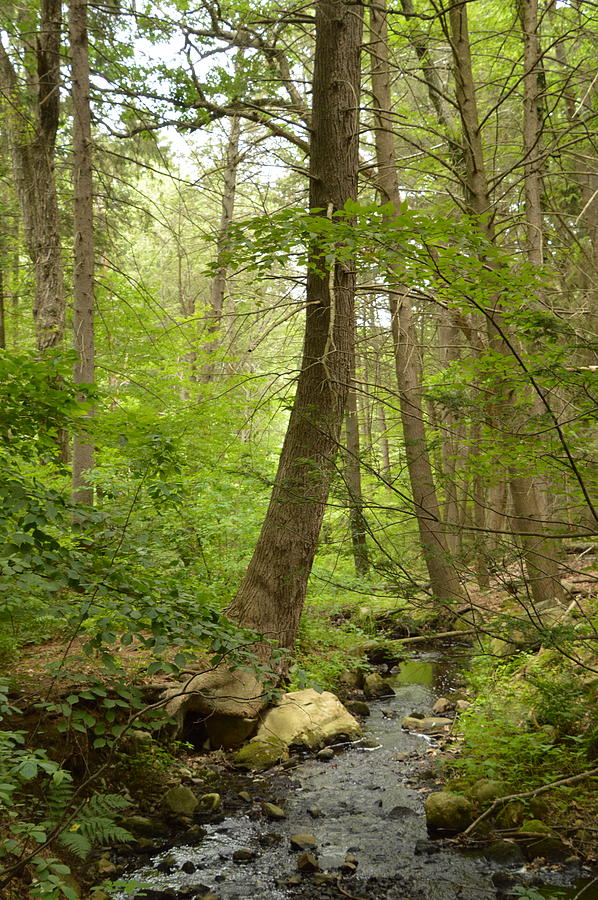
535, 826
272, 811
307, 719
228, 731
511, 815
462, 705
351, 679
211, 802
505, 852
400, 812
325, 755
243, 855
195, 834
180, 801
188, 867
446, 811
315, 812
100, 895
426, 726
358, 708
307, 863
167, 863
270, 840
442, 706
350, 864
261, 753
486, 790
245, 796
105, 867
374, 687
303, 841
144, 825
222, 692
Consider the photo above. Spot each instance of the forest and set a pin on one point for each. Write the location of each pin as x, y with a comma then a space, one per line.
298, 363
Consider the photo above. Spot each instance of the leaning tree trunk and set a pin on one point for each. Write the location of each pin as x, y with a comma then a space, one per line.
83, 288
270, 598
443, 576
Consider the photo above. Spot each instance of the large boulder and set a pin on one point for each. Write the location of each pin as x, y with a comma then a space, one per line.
222, 693
448, 812
308, 719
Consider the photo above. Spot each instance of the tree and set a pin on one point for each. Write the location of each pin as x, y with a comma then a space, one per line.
83, 287
30, 89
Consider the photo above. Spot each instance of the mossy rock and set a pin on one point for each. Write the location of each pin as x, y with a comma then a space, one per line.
449, 812
180, 801
261, 754
511, 815
535, 826
486, 790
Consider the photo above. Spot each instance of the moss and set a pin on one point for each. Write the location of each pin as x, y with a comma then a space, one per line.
257, 755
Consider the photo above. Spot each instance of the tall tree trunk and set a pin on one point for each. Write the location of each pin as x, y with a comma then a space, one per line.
357, 520
528, 524
83, 287
272, 592
32, 137
443, 577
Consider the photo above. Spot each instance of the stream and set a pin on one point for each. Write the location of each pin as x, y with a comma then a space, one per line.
366, 803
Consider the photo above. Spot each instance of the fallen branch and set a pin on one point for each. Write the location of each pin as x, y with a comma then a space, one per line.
500, 801
422, 638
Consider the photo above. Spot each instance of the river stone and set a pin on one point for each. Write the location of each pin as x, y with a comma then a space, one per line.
180, 801
307, 863
375, 686
442, 705
303, 841
486, 790
325, 755
448, 812
228, 731
307, 719
261, 753
273, 811
244, 855
426, 726
211, 802
358, 708
505, 852
143, 825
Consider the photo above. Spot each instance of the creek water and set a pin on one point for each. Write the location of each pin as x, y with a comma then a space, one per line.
366, 802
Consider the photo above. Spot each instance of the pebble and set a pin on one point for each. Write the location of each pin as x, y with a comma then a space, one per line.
244, 854
303, 841
273, 811
325, 755
307, 862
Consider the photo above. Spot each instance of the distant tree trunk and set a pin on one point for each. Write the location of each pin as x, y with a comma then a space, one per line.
2, 306
532, 132
83, 287
357, 520
31, 129
528, 524
443, 577
272, 592
219, 281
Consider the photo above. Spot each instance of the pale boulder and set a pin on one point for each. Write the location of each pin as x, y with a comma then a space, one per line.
308, 719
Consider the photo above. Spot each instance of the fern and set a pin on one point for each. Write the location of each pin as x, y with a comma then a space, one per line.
94, 823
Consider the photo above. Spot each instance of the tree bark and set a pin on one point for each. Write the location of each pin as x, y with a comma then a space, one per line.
270, 598
83, 286
540, 560
219, 281
31, 132
357, 520
443, 577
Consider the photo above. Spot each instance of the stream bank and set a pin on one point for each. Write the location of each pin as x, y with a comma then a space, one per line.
360, 812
